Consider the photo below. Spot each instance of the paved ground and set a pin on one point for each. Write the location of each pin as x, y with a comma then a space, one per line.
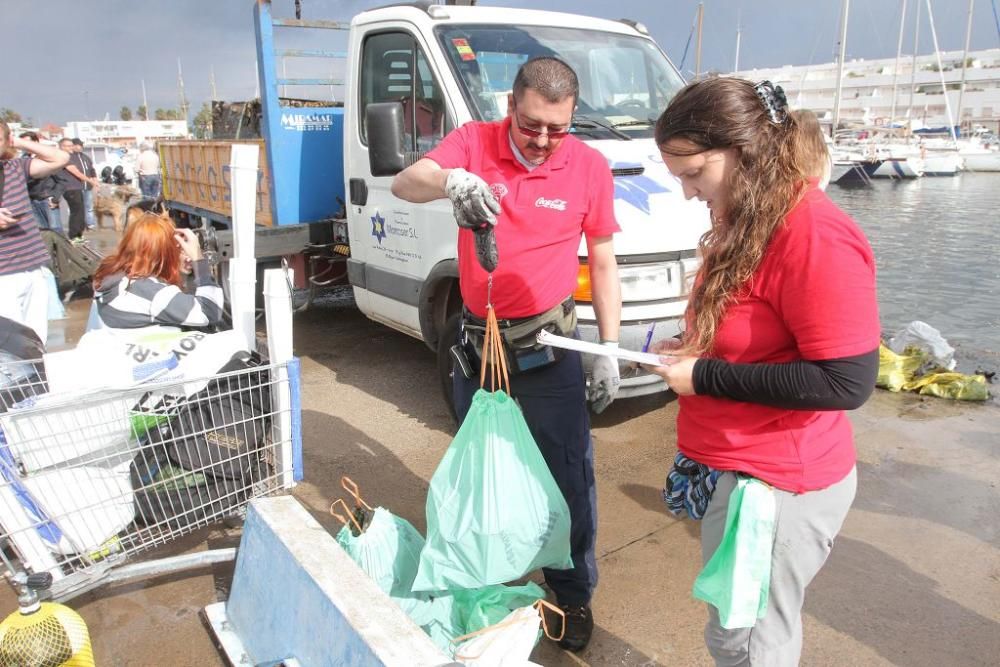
914, 578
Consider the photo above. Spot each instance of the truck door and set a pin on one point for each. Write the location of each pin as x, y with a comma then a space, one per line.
395, 244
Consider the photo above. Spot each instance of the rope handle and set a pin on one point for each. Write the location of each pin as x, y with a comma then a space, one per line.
350, 515
539, 606
493, 355
351, 487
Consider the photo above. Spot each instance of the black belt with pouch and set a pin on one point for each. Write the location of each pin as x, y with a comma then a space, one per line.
524, 352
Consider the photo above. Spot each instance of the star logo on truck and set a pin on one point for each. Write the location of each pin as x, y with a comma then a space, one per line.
636, 189
378, 227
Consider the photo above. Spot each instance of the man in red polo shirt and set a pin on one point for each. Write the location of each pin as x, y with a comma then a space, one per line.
537, 189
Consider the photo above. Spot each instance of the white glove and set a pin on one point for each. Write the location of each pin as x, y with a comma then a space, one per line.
474, 203
604, 381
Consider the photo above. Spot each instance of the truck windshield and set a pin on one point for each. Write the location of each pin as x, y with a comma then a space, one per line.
625, 81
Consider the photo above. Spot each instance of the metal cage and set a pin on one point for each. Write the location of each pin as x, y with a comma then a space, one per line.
89, 481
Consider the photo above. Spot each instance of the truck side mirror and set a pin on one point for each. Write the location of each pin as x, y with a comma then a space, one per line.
384, 123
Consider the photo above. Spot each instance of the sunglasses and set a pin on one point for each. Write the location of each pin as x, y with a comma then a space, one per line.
552, 135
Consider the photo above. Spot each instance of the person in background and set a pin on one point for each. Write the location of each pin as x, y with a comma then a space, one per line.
148, 168
71, 180
815, 153
782, 337
24, 287
86, 166
44, 194
545, 189
139, 284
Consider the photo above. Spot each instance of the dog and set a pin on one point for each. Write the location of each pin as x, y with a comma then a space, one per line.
111, 201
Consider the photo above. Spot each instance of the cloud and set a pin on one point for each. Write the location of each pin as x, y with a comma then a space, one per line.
72, 57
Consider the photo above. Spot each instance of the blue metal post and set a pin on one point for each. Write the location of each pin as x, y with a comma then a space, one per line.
304, 145
295, 394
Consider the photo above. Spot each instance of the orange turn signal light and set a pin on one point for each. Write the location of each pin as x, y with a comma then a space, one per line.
583, 289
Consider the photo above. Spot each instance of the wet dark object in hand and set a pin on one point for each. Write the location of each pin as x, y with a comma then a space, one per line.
486, 248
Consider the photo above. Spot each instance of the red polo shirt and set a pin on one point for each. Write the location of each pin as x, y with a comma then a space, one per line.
544, 213
813, 297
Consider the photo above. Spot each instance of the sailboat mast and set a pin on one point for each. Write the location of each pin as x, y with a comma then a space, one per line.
913, 73
965, 61
895, 70
840, 67
944, 88
182, 98
739, 30
697, 50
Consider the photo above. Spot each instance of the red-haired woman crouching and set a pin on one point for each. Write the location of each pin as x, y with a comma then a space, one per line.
139, 285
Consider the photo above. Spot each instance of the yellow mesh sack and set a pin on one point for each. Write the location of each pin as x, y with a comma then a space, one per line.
53, 636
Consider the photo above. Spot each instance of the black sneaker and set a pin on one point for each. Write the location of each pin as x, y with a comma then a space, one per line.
579, 626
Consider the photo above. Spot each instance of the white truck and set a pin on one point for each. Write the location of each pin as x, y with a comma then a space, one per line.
411, 74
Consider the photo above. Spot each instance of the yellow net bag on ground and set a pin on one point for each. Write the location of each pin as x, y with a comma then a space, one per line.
54, 636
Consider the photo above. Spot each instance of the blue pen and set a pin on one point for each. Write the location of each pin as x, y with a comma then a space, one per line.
649, 337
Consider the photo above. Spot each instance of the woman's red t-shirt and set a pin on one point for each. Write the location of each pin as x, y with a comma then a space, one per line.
812, 297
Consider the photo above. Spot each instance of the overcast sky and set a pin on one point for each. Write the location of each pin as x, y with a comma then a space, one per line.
70, 59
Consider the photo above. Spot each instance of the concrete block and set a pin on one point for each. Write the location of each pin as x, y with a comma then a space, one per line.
296, 594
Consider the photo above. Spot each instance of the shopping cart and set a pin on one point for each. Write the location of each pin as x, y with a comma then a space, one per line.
88, 482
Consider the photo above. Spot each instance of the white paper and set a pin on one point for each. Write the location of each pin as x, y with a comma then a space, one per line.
547, 338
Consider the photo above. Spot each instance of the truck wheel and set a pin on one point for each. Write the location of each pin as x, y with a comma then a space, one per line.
448, 337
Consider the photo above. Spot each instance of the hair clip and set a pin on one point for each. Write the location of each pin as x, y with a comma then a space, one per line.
774, 100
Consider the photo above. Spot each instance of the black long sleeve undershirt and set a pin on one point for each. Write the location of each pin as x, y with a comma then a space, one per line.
831, 384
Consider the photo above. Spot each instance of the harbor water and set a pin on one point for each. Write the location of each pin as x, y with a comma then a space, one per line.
937, 248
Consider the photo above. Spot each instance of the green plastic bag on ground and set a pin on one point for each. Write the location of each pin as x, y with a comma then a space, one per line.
737, 577
480, 608
388, 551
494, 511
895, 370
460, 612
951, 385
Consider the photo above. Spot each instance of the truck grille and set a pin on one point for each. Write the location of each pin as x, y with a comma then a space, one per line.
628, 171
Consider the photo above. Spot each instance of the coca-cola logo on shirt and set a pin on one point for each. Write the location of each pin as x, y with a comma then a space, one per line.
554, 204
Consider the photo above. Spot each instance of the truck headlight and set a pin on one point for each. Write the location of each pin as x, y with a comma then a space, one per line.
645, 282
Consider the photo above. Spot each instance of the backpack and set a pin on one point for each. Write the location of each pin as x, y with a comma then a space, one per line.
73, 266
169, 497
210, 457
221, 431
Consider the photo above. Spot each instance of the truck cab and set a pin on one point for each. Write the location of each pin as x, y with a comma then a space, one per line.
449, 65
323, 196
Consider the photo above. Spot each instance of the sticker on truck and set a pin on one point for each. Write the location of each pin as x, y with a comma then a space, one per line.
306, 122
399, 230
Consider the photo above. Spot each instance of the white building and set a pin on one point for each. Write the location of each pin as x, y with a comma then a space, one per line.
866, 95
125, 132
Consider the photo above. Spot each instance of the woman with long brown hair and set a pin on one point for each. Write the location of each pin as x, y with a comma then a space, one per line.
139, 285
782, 337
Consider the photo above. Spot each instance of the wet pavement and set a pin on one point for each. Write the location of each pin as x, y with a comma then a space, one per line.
914, 578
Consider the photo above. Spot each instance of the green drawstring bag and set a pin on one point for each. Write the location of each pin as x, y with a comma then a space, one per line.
388, 551
494, 511
480, 608
737, 577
